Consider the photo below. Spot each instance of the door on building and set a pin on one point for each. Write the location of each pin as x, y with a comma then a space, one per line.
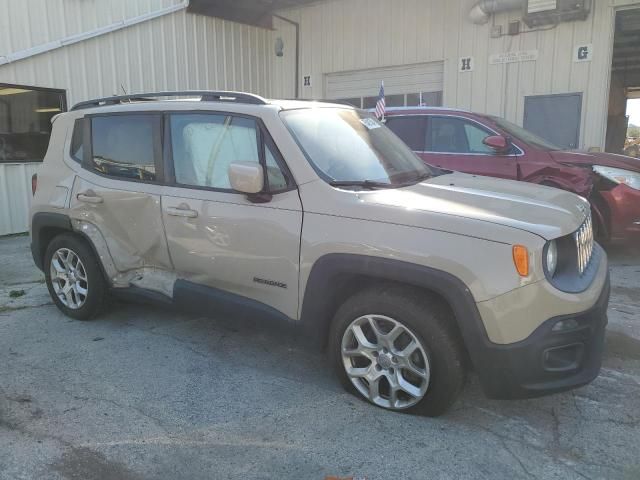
405, 86
623, 125
556, 118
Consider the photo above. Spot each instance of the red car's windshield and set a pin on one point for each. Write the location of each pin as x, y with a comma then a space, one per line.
524, 135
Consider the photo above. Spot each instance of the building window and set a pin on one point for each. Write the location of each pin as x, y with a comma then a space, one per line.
125, 146
25, 121
389, 100
354, 102
424, 99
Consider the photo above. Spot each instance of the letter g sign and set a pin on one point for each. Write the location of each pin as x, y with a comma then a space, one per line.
583, 53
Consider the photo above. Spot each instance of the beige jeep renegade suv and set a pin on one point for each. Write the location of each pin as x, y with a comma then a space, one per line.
317, 214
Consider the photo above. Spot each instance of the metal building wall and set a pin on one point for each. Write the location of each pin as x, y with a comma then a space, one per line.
15, 196
346, 35
179, 51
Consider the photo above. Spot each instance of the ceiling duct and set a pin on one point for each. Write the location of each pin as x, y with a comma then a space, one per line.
482, 10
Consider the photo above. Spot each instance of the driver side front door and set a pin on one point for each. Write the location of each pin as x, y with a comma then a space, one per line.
456, 143
227, 247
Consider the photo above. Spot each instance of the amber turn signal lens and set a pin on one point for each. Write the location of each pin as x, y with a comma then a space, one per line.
521, 260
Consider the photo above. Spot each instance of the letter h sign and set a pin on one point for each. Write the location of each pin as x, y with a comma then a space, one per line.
465, 64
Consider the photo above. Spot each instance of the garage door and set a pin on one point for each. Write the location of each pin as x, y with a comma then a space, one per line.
406, 85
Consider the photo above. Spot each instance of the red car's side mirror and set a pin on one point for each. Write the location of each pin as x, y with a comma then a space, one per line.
498, 143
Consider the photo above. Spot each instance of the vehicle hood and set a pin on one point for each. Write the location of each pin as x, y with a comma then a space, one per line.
604, 159
545, 211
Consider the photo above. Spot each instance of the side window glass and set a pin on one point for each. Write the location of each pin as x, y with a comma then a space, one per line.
77, 138
123, 146
447, 135
475, 137
456, 135
410, 130
204, 145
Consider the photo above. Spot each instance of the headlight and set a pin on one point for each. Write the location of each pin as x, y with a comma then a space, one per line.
617, 175
551, 258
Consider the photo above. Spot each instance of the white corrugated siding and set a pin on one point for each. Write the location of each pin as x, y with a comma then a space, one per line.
348, 35
15, 196
179, 51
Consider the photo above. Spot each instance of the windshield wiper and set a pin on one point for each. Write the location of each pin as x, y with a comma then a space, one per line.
419, 178
366, 184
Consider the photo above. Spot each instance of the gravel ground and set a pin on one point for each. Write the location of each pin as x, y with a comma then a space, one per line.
145, 393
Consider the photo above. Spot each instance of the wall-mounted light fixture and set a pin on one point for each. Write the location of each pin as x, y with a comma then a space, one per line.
297, 67
279, 47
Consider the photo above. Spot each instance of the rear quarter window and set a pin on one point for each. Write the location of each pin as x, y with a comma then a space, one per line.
77, 138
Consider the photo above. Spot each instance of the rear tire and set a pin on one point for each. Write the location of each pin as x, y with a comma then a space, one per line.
435, 370
74, 278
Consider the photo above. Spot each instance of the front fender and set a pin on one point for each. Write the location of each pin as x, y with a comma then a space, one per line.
572, 179
331, 273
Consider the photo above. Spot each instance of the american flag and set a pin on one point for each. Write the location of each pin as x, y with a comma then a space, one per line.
381, 106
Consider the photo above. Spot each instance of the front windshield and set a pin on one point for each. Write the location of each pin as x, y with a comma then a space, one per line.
524, 135
345, 145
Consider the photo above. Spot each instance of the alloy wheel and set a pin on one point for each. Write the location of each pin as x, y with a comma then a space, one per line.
385, 362
69, 278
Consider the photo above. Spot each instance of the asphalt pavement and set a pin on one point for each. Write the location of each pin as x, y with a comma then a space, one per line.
146, 393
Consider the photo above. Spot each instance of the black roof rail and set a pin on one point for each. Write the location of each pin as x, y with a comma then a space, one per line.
205, 96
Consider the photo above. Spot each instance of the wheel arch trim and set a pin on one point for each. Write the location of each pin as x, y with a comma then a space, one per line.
330, 271
42, 221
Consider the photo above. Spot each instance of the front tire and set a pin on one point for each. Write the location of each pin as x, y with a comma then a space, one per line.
397, 348
74, 279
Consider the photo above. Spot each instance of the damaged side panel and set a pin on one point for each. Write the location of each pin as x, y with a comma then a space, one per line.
573, 179
126, 230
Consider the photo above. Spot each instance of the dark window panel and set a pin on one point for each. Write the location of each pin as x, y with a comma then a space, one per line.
25, 121
369, 102
411, 130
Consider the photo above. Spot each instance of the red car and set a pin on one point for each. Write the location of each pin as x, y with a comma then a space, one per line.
487, 145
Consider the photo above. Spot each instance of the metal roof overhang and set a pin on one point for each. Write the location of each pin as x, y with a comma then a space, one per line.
251, 12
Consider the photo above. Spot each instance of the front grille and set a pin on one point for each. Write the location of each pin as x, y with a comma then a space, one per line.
584, 244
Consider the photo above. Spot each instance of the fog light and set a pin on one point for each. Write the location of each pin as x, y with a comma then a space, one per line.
565, 325
562, 359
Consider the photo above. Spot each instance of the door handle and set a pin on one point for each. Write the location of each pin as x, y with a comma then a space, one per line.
181, 212
89, 197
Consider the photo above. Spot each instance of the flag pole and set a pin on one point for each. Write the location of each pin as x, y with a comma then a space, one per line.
383, 95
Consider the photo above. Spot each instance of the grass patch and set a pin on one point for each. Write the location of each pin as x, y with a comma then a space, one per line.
17, 293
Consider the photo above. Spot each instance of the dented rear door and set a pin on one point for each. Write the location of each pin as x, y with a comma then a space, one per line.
118, 194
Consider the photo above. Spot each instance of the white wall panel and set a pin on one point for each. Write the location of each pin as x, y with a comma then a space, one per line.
179, 51
15, 196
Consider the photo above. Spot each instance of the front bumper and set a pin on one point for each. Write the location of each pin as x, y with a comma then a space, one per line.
547, 362
623, 203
